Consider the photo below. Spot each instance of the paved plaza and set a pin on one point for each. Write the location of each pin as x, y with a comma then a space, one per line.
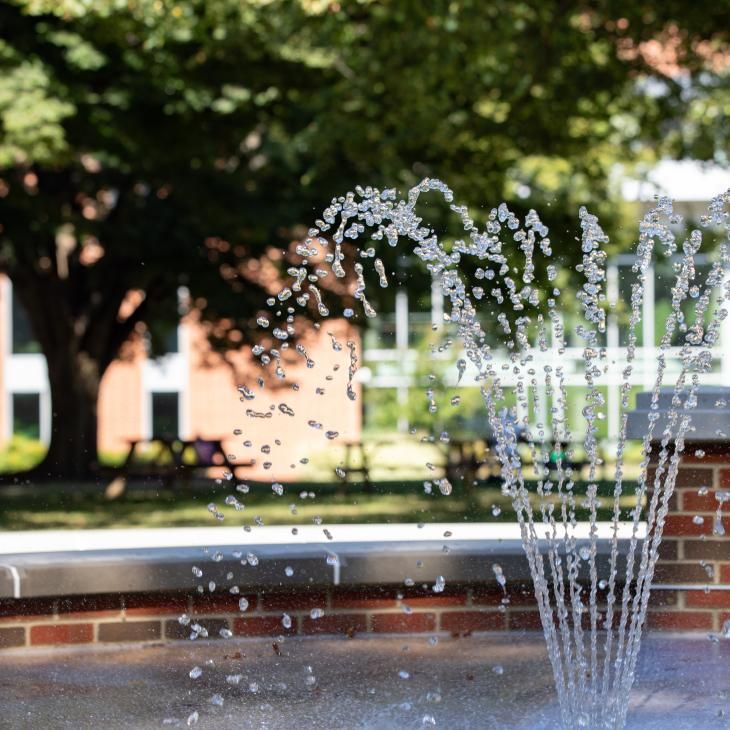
481, 682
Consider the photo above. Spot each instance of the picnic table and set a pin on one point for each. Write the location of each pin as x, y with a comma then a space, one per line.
469, 459
356, 462
473, 458
173, 457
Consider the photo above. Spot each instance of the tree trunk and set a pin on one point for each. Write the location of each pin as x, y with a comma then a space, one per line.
80, 333
74, 384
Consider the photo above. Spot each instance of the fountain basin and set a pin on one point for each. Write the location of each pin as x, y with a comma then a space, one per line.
132, 585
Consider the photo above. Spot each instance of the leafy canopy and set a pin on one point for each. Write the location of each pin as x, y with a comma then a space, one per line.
154, 143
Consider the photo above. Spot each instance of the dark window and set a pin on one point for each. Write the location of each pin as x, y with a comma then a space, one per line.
165, 415
163, 342
23, 339
27, 414
171, 342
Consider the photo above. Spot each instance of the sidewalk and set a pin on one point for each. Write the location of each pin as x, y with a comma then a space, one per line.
361, 684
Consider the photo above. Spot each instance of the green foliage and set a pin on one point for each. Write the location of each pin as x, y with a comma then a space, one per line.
21, 453
30, 116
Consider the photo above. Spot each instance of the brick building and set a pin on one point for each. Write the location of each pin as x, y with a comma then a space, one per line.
191, 392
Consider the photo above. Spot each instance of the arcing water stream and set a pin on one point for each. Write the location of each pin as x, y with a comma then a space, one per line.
592, 614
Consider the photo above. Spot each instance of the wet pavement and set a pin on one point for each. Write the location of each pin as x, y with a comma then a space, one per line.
384, 683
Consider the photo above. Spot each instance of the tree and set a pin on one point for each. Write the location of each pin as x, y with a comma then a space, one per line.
155, 144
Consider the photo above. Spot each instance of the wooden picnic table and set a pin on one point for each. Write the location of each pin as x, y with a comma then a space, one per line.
357, 460
469, 459
473, 458
356, 451
178, 457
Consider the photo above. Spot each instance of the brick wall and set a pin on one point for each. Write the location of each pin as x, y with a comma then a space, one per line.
459, 610
690, 555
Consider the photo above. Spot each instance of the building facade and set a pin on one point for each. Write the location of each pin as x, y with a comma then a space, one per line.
190, 392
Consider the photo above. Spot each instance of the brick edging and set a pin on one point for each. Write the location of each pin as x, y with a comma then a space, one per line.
460, 610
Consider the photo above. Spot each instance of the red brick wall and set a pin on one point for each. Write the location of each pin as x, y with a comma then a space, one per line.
459, 610
690, 554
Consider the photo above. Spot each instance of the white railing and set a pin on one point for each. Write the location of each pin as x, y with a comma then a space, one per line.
400, 369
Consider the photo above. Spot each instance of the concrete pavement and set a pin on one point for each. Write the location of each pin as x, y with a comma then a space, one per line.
391, 683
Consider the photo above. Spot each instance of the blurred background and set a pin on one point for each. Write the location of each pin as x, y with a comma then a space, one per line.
160, 161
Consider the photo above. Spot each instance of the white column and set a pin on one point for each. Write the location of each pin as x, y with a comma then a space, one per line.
647, 329
183, 417
401, 345
557, 355
437, 302
6, 338
45, 415
725, 332
614, 356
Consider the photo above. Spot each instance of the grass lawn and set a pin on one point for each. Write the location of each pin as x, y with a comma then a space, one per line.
58, 506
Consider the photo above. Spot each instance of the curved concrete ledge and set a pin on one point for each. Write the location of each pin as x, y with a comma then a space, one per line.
40, 564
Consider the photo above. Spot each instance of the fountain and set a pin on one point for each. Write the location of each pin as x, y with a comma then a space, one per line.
592, 614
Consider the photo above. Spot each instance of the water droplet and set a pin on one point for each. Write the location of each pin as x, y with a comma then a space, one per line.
717, 527
195, 672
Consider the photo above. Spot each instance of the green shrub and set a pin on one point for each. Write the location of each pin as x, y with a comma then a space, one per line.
21, 453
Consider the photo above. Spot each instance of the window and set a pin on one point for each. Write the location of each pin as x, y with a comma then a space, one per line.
23, 338
165, 415
172, 344
27, 415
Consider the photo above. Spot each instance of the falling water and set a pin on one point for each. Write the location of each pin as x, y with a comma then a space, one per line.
592, 613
